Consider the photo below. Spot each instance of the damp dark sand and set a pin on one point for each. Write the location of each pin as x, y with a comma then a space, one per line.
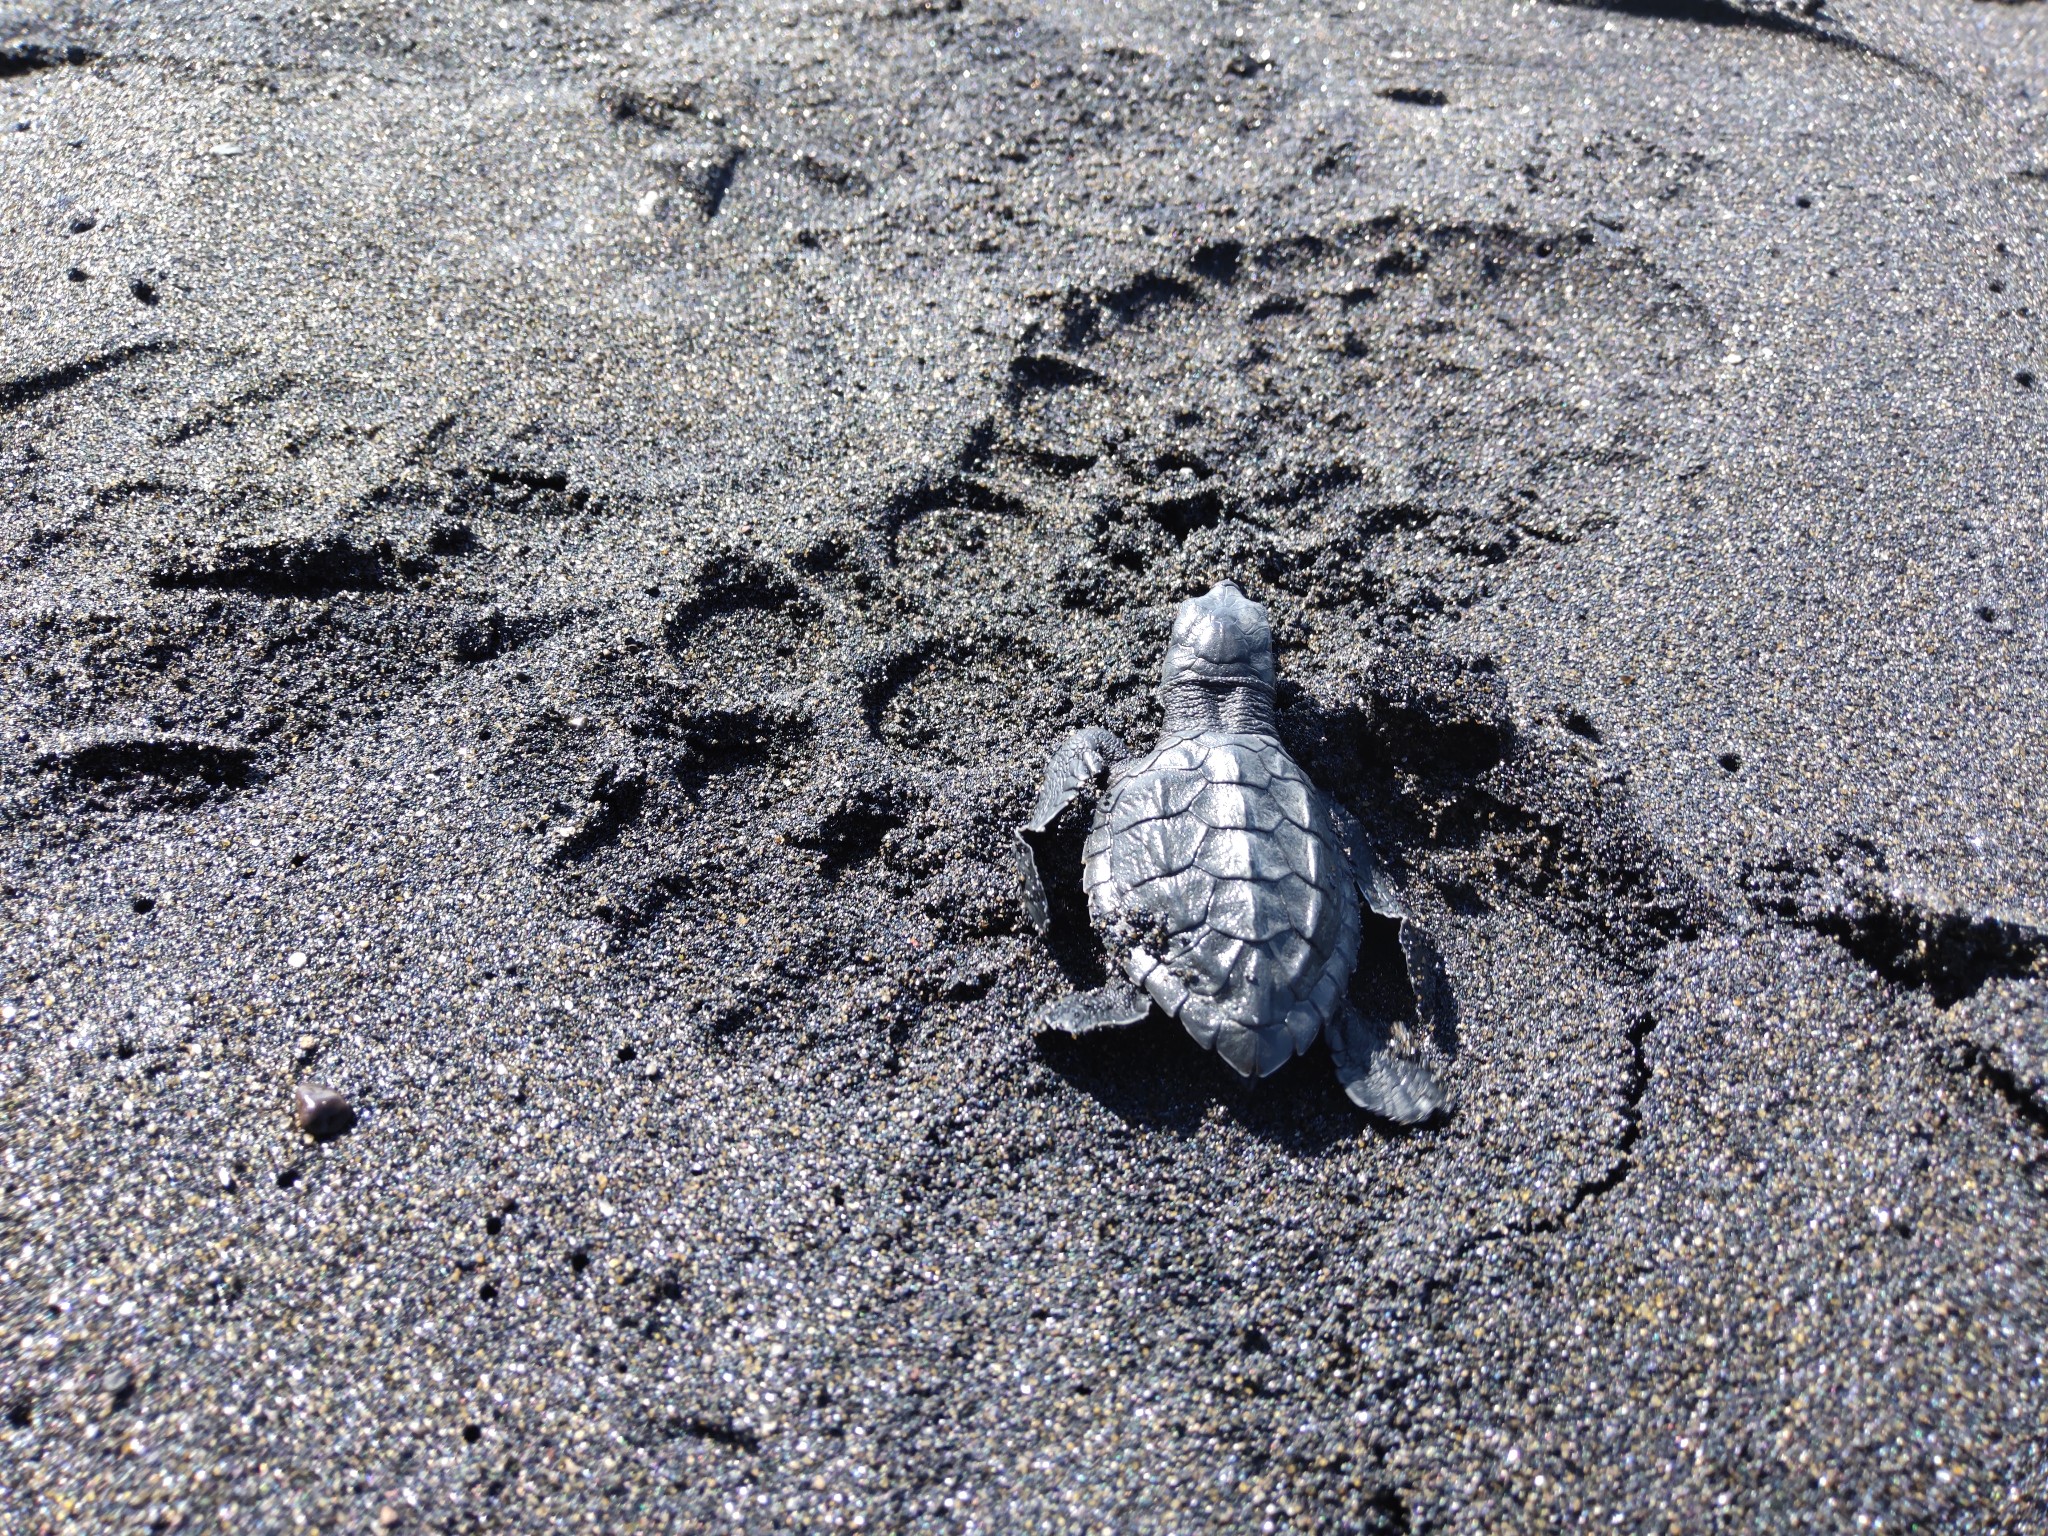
541, 549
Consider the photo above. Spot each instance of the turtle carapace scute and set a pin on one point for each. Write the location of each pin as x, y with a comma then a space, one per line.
1226, 888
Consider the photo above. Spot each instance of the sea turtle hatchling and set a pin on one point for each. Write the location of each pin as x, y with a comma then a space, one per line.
1225, 886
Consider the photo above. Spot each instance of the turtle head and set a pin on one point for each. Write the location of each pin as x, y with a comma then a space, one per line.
1219, 664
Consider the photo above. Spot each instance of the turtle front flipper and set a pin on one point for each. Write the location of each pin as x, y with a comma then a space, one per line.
1116, 1006
1079, 766
1376, 1078
1419, 955
1379, 1078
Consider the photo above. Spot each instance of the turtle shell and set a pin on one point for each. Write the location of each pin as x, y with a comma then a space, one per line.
1216, 880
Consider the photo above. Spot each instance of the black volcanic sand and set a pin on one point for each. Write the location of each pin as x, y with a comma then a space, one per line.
544, 548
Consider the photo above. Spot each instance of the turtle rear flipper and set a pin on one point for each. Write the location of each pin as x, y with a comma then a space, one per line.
1080, 764
1116, 1006
1378, 1079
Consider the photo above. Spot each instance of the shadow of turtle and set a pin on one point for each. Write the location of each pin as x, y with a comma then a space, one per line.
1070, 936
1154, 1076
1400, 978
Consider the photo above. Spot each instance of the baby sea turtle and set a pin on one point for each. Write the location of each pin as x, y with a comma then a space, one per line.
1224, 885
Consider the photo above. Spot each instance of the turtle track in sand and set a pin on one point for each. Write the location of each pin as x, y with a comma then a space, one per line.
649, 851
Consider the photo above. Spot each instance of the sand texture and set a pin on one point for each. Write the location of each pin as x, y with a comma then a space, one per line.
543, 548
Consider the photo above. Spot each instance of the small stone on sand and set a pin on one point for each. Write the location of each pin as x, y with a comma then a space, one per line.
323, 1113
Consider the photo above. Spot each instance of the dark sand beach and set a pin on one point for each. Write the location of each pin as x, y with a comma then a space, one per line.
543, 548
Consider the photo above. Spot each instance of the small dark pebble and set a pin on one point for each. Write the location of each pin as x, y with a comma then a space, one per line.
322, 1112
2024, 378
84, 224
78, 274
1732, 761
143, 289
143, 904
